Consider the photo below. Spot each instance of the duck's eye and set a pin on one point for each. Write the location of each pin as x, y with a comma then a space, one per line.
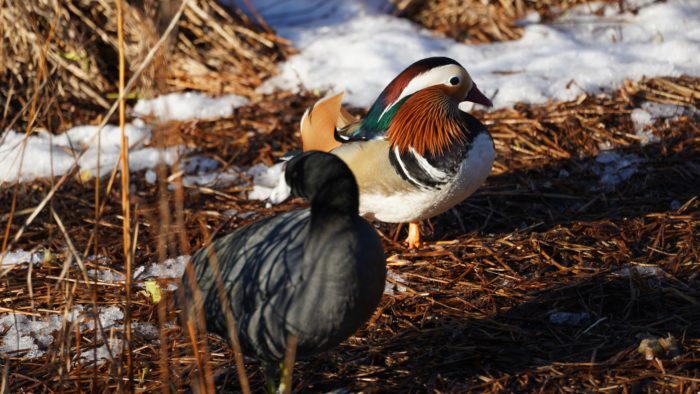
454, 81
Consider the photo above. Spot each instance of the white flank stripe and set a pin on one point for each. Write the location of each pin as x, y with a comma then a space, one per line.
432, 171
403, 167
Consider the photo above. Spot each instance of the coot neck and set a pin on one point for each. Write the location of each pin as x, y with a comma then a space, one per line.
339, 197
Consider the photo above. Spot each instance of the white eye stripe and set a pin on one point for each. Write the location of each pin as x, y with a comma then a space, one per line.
434, 76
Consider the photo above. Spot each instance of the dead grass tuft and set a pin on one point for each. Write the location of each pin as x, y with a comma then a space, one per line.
73, 45
477, 21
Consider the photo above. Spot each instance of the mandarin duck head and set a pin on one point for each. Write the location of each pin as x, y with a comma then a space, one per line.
419, 109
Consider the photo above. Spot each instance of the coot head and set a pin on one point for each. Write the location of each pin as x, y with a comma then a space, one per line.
323, 179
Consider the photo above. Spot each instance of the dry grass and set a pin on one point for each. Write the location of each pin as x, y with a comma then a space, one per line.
73, 44
540, 237
479, 21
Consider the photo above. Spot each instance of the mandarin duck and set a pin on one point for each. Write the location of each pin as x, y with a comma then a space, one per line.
416, 154
317, 273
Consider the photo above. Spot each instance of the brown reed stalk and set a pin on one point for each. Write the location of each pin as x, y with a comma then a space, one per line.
126, 212
226, 309
196, 325
203, 384
164, 214
288, 370
180, 211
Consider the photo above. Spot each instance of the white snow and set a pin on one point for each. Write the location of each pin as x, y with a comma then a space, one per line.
43, 154
102, 353
148, 330
649, 112
108, 317
199, 164
106, 275
230, 213
21, 257
150, 176
170, 268
359, 47
204, 171
189, 105
642, 120
641, 270
613, 167
268, 182
28, 336
212, 179
149, 157
391, 287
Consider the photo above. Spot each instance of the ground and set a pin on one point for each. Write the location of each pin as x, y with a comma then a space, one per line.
582, 244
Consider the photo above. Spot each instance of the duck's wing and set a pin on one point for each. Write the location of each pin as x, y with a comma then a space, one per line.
323, 125
259, 265
370, 163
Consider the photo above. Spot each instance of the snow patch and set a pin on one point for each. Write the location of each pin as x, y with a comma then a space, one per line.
614, 167
358, 47
268, 183
212, 179
199, 164
641, 270
43, 154
204, 171
21, 257
112, 348
189, 105
148, 330
28, 336
150, 176
642, 119
392, 288
170, 268
649, 112
106, 275
108, 317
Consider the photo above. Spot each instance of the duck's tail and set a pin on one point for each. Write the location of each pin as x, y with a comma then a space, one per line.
319, 123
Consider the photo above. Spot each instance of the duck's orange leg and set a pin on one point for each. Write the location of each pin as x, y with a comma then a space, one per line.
413, 238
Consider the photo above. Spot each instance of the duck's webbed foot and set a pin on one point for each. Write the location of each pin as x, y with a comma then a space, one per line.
413, 239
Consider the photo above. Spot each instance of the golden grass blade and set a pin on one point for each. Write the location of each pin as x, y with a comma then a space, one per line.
227, 311
126, 211
288, 369
71, 248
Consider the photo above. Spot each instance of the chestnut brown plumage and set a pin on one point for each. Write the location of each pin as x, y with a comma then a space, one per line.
429, 122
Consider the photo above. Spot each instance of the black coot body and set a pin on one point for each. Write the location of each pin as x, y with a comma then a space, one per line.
316, 273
